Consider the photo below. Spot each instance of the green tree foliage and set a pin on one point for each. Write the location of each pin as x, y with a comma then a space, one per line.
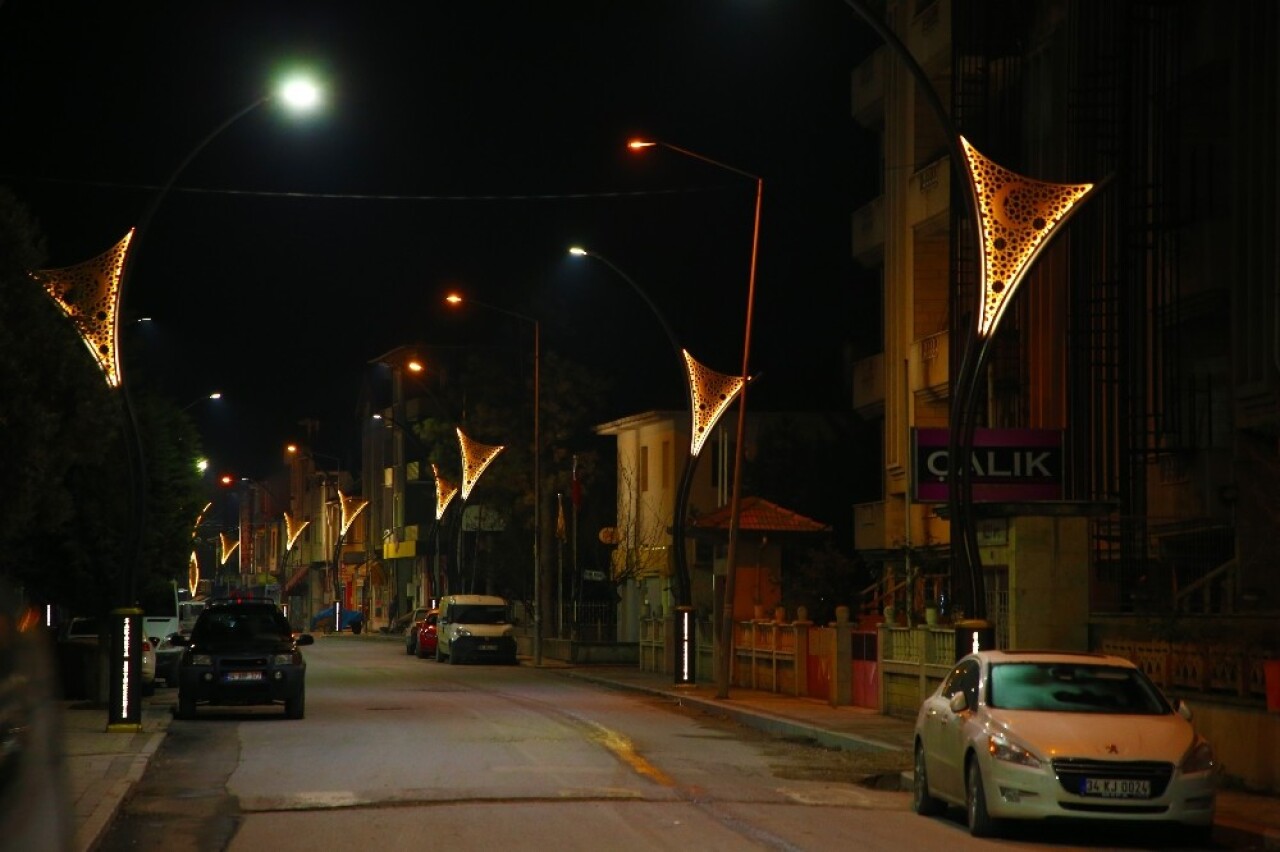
66, 525
492, 397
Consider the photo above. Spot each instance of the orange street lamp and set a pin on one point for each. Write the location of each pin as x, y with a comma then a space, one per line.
735, 500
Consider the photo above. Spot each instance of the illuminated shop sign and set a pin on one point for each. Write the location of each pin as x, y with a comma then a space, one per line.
1008, 465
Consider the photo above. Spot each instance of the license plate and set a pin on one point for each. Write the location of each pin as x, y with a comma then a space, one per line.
242, 676
1117, 788
487, 647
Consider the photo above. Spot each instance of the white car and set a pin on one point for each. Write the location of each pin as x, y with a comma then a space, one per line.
1040, 735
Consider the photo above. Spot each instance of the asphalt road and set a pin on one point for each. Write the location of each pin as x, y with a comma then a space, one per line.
398, 753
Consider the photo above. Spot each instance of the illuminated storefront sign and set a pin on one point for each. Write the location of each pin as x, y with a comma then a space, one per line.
1008, 465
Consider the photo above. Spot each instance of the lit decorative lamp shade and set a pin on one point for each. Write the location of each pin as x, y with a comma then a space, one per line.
444, 491
475, 458
351, 506
193, 573
292, 529
1016, 214
89, 294
710, 393
229, 546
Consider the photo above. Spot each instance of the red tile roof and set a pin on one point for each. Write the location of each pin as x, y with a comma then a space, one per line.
759, 515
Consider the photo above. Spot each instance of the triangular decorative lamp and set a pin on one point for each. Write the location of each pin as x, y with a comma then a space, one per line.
351, 506
475, 458
229, 546
444, 491
293, 529
89, 294
1016, 215
710, 394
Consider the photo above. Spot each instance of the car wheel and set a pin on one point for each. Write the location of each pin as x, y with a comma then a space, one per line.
186, 705
921, 801
422, 654
296, 706
980, 822
453, 657
439, 656
408, 648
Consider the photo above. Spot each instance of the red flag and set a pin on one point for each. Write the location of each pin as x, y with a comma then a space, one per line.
575, 493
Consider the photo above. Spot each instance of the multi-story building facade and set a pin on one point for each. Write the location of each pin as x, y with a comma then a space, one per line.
1147, 334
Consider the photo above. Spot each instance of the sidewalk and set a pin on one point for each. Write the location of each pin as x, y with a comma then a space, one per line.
103, 767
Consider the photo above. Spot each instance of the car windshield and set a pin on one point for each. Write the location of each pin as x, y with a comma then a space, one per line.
1073, 688
239, 625
480, 614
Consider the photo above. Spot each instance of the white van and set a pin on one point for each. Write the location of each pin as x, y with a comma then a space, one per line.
473, 627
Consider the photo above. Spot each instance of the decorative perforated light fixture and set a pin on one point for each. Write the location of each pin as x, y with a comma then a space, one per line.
475, 458
89, 294
351, 507
229, 546
1017, 215
445, 491
293, 529
710, 394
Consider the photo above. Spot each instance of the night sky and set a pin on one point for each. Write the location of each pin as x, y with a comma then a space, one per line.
463, 144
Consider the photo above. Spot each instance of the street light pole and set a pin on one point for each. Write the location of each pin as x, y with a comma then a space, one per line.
724, 668
455, 299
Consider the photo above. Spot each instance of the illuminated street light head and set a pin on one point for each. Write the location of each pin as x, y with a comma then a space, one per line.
640, 144
577, 251
414, 366
453, 299
300, 93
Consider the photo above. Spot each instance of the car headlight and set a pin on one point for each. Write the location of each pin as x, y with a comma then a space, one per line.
462, 631
201, 659
1199, 758
283, 659
1001, 747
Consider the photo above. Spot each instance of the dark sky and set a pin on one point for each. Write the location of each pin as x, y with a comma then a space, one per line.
466, 144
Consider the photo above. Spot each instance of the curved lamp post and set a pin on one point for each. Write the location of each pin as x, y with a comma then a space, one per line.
1014, 218
90, 294
455, 299
735, 500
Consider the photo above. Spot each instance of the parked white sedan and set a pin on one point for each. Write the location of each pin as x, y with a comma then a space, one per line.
1023, 735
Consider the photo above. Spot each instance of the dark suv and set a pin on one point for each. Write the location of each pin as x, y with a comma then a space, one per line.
242, 652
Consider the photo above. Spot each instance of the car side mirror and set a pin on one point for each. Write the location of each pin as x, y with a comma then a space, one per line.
178, 639
154, 640
1184, 709
305, 639
959, 702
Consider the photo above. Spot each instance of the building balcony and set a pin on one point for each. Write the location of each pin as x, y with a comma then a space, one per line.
929, 192
868, 386
868, 232
866, 88
929, 38
931, 366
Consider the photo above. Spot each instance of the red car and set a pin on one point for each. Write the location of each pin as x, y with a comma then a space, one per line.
426, 646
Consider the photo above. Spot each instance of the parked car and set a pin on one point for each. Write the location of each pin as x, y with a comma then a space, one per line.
242, 653
411, 629
473, 627
425, 641
88, 632
168, 658
1032, 736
